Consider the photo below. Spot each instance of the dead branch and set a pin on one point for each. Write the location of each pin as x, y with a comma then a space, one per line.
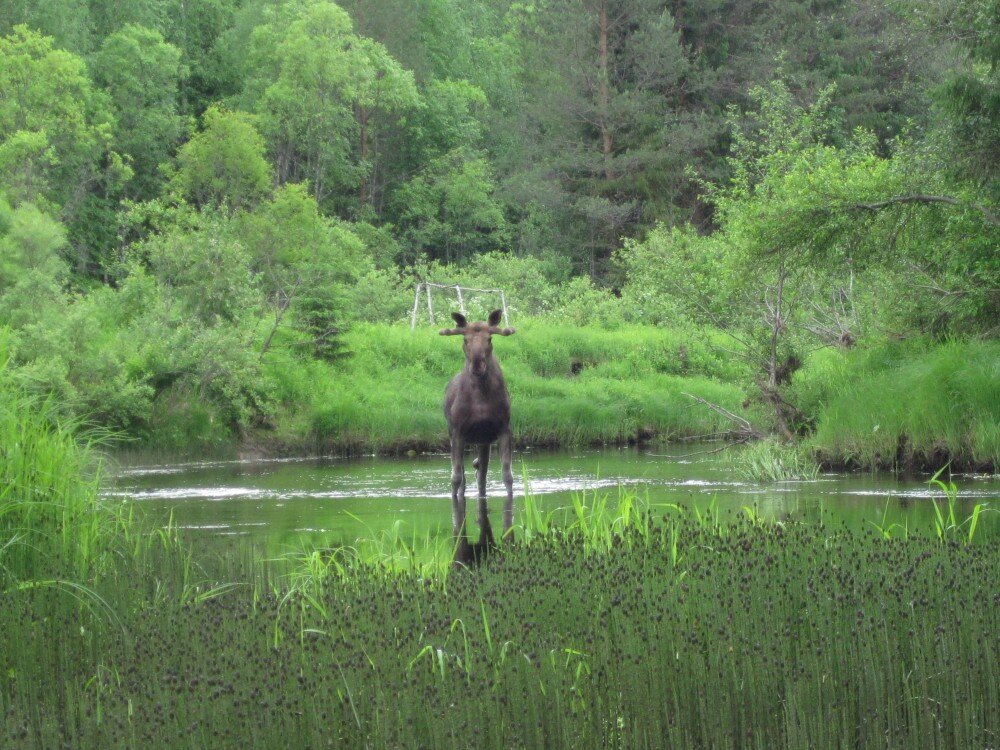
746, 429
742, 441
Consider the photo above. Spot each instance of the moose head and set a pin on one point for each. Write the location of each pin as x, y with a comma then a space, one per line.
478, 339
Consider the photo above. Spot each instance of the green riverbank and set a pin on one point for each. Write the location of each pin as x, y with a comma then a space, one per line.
570, 386
904, 406
901, 405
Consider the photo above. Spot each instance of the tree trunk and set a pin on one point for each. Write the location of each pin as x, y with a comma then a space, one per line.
363, 152
607, 138
771, 393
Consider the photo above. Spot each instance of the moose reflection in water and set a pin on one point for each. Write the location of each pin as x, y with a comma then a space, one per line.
477, 408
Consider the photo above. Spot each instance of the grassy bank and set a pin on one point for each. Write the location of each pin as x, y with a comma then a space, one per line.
895, 405
681, 632
905, 405
569, 385
52, 522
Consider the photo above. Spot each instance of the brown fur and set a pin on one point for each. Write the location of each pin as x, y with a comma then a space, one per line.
477, 409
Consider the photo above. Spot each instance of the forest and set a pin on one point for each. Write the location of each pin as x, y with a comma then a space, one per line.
214, 214
751, 252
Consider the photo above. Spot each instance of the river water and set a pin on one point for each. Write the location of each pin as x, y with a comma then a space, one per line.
291, 502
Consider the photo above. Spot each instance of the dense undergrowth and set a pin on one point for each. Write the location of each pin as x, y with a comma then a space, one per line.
901, 406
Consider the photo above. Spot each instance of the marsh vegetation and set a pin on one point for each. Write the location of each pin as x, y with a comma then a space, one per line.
619, 617
611, 623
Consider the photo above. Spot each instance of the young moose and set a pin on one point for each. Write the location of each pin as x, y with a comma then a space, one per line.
477, 407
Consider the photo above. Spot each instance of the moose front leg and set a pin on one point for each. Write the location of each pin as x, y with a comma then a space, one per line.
462, 551
506, 447
482, 464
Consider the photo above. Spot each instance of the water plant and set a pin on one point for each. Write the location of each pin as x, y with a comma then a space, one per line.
52, 522
679, 633
946, 523
772, 461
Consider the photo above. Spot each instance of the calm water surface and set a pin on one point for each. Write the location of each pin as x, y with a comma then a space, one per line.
334, 501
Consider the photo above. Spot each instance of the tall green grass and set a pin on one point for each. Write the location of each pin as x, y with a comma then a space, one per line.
771, 461
880, 410
51, 519
629, 627
569, 385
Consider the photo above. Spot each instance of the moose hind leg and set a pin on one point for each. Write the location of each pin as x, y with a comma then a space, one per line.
506, 448
482, 464
462, 552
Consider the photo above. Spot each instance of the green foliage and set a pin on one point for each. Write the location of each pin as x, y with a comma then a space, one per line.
887, 408
774, 131
201, 308
749, 280
142, 73
30, 246
311, 79
972, 95
307, 264
205, 268
449, 211
224, 164
54, 128
182, 320
66, 21
798, 201
581, 146
675, 274
448, 119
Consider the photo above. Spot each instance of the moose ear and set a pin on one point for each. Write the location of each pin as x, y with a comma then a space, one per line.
494, 319
460, 320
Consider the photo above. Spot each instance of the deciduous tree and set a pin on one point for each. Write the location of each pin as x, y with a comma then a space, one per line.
224, 164
141, 73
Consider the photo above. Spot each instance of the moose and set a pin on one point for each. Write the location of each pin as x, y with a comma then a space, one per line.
477, 409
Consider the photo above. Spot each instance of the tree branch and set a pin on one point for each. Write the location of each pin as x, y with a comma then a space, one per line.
991, 217
746, 428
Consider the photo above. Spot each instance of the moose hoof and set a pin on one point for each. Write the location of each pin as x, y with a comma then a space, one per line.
486, 540
464, 555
